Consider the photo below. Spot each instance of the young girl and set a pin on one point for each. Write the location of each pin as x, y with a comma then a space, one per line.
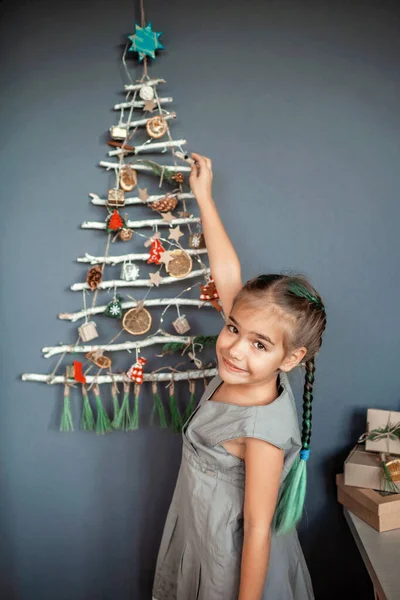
230, 531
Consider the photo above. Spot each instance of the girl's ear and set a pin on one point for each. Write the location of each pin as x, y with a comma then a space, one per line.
293, 359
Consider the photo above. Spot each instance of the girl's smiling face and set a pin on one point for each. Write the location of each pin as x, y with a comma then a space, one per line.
250, 348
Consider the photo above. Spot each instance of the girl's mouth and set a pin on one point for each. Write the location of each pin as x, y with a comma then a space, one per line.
231, 367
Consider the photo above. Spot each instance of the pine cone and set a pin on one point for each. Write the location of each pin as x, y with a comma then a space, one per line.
178, 177
164, 204
94, 277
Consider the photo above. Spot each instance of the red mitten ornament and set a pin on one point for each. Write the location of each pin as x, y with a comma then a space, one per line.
210, 294
155, 252
136, 371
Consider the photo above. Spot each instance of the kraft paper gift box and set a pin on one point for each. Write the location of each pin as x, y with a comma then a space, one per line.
364, 469
378, 419
380, 510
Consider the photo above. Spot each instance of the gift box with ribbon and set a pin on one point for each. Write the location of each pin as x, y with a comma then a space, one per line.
383, 431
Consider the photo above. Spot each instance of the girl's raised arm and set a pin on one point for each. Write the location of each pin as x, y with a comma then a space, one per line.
224, 262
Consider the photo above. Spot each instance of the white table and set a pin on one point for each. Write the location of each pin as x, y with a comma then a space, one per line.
381, 555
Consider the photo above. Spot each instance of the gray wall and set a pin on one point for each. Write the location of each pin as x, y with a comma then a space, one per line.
297, 104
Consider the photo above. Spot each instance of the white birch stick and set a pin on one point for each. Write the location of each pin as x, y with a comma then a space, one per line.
144, 168
131, 304
105, 285
136, 200
140, 103
141, 122
132, 87
150, 147
114, 260
143, 223
118, 378
150, 341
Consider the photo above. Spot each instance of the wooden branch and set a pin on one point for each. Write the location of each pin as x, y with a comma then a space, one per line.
136, 200
181, 376
144, 168
150, 341
131, 304
140, 103
141, 122
105, 285
150, 147
143, 223
115, 260
132, 87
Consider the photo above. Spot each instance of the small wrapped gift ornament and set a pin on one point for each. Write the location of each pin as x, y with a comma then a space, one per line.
88, 331
116, 197
196, 240
118, 132
383, 431
181, 324
129, 271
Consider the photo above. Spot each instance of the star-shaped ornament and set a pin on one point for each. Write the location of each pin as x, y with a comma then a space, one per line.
166, 258
145, 41
168, 217
143, 195
149, 105
155, 279
175, 234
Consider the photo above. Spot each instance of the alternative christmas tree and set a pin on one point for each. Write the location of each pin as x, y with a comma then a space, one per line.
174, 251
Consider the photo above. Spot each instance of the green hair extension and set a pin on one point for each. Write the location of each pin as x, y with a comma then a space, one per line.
158, 407
87, 418
103, 423
134, 422
124, 416
66, 423
302, 292
291, 502
176, 419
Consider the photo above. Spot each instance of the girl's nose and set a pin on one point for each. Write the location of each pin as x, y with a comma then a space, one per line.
237, 349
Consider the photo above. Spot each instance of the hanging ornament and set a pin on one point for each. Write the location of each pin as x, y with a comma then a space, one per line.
137, 321
180, 265
175, 233
135, 373
118, 132
97, 358
127, 178
155, 252
94, 277
197, 240
146, 92
114, 308
209, 293
75, 372
143, 195
126, 149
181, 324
149, 105
116, 197
157, 126
178, 177
155, 279
164, 204
88, 331
145, 41
129, 271
125, 234
115, 222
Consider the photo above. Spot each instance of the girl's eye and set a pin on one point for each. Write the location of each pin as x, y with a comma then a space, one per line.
230, 327
260, 346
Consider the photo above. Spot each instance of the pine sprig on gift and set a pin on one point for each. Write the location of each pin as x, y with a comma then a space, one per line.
204, 340
159, 170
390, 430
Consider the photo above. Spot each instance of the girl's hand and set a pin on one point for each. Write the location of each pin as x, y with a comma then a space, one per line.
201, 177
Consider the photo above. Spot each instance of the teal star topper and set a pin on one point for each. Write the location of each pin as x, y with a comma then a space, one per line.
145, 41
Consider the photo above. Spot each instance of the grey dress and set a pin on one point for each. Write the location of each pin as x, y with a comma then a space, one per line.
200, 552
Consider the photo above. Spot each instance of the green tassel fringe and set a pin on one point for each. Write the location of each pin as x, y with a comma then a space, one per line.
134, 424
159, 408
176, 419
115, 408
124, 416
66, 417
189, 408
87, 418
103, 423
